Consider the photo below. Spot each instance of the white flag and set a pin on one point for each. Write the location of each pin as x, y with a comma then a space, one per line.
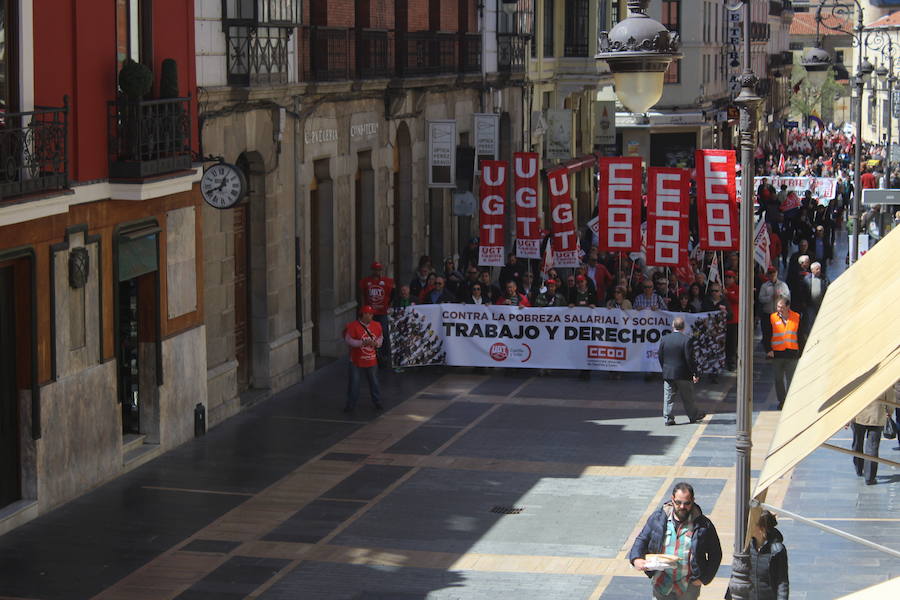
761, 247
713, 276
547, 263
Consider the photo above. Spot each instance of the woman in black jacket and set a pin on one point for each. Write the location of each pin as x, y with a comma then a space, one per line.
768, 560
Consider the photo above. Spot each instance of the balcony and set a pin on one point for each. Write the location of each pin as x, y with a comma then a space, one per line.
257, 55
329, 53
470, 52
33, 151
374, 53
427, 53
511, 53
149, 137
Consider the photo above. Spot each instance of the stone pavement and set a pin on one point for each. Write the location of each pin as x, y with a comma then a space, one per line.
471, 486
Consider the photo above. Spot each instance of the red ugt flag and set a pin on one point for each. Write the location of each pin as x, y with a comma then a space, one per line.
620, 204
493, 209
565, 239
667, 217
528, 230
717, 199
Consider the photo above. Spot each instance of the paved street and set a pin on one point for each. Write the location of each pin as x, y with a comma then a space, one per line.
470, 486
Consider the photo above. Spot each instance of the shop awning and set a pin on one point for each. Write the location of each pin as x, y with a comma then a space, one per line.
887, 589
852, 356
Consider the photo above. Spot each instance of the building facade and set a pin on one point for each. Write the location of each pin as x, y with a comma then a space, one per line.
326, 105
101, 296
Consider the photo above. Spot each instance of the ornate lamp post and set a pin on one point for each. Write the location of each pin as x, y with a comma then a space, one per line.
748, 101
638, 51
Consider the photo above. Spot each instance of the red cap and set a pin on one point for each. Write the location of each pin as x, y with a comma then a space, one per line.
580, 278
771, 270
553, 281
367, 310
730, 274
377, 266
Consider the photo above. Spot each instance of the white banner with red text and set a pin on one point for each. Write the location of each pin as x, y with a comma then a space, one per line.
823, 188
467, 335
491, 250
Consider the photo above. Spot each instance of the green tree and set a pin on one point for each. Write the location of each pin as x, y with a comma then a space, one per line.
808, 99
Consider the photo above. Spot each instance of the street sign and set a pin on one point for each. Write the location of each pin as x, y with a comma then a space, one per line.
874, 196
895, 104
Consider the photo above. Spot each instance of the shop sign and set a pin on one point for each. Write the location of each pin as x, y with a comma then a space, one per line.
605, 112
559, 134
487, 136
442, 154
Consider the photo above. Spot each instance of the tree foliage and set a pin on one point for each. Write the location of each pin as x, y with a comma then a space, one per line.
808, 99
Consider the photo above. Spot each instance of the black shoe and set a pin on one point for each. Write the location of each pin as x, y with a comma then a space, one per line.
870, 482
379, 406
670, 422
859, 474
698, 417
348, 409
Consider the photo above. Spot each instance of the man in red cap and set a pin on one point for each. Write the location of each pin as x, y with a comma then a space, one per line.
377, 291
364, 338
732, 296
581, 295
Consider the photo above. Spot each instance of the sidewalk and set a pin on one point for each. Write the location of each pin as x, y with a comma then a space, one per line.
469, 487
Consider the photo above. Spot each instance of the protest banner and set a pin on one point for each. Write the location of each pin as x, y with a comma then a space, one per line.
492, 217
667, 217
547, 338
619, 203
564, 237
823, 188
528, 230
717, 199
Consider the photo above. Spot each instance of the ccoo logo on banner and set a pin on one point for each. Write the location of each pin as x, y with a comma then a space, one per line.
493, 211
565, 239
667, 217
619, 204
717, 199
528, 231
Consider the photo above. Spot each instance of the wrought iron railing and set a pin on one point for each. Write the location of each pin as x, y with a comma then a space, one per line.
427, 53
34, 151
329, 56
511, 52
149, 137
257, 55
374, 53
470, 52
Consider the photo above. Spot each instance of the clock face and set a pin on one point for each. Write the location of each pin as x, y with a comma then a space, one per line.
223, 185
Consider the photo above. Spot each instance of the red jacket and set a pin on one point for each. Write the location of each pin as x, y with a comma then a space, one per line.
363, 355
733, 295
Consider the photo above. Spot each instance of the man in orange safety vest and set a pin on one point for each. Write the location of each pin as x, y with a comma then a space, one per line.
785, 346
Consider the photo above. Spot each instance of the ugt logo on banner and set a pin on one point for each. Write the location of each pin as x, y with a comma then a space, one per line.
564, 240
717, 199
620, 204
525, 177
667, 216
493, 209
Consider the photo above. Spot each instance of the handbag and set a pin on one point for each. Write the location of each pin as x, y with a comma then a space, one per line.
890, 429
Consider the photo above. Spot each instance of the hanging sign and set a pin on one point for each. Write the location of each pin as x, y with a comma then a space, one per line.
442, 154
487, 136
620, 204
493, 212
667, 216
559, 134
562, 221
605, 129
528, 230
717, 199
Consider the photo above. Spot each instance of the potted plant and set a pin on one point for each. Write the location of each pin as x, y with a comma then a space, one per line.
135, 81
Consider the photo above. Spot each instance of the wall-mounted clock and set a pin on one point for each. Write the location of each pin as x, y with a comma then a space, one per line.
223, 185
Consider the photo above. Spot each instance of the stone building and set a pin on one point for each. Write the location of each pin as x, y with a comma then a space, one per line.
325, 105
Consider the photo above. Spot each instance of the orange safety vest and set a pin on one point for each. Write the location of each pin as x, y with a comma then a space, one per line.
784, 334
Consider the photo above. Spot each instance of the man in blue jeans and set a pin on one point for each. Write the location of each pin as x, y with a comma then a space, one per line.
364, 336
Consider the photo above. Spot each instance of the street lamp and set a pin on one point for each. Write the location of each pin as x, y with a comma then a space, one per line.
638, 51
816, 61
748, 101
